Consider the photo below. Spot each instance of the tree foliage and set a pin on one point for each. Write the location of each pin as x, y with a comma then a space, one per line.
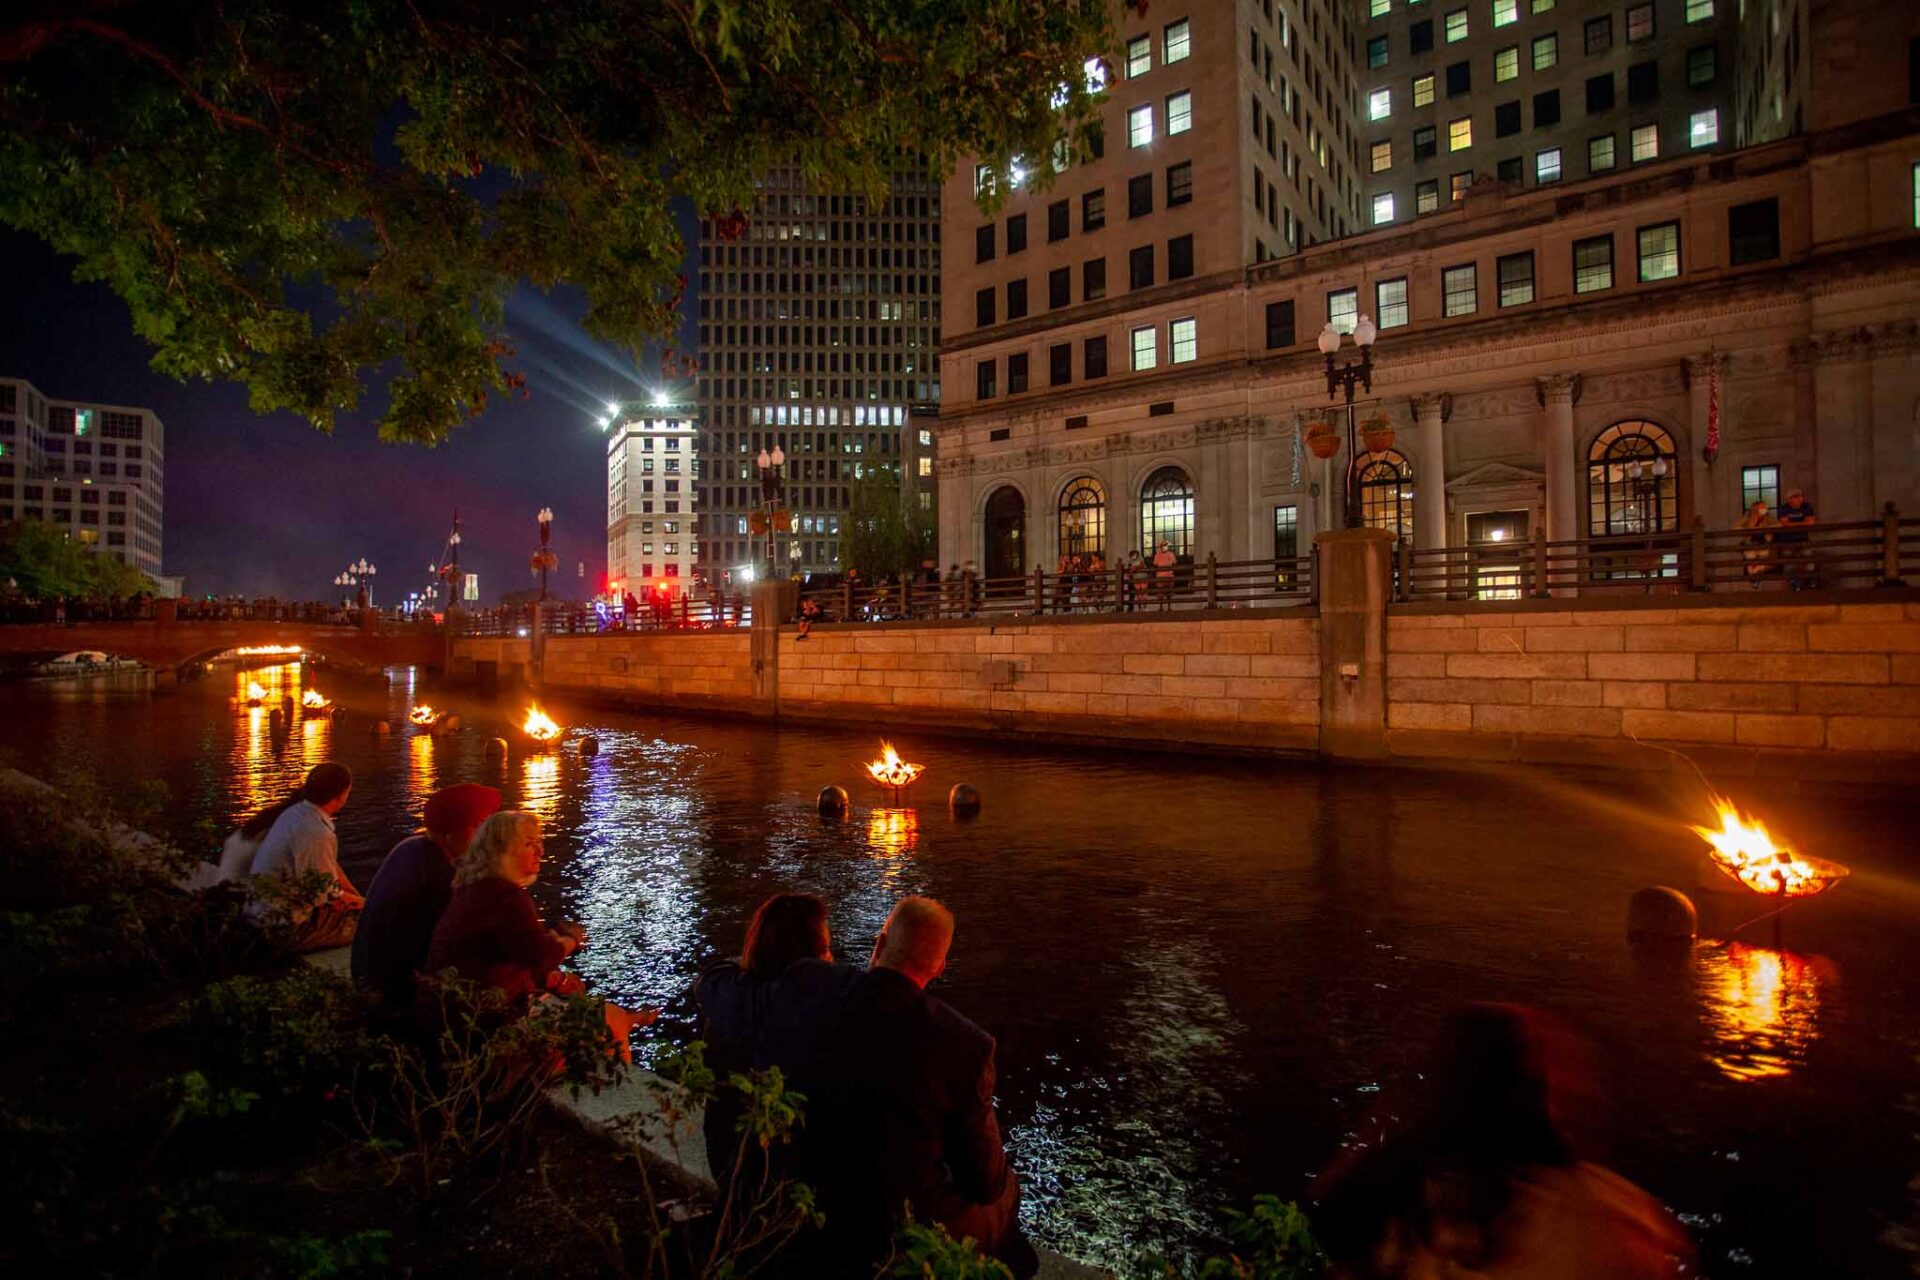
44, 563
882, 536
300, 197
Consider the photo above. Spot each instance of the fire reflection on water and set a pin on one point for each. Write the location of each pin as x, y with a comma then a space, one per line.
420, 770
1762, 1007
893, 833
540, 784
264, 770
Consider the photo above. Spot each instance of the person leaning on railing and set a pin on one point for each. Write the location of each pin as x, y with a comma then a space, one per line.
1758, 553
1796, 554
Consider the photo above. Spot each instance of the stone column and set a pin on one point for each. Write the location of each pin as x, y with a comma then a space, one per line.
1430, 481
771, 606
1709, 502
1354, 584
1557, 394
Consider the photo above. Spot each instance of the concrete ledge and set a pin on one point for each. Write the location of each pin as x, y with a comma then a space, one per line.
1420, 747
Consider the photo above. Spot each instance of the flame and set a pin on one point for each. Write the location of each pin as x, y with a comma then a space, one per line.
256, 692
424, 715
315, 700
1762, 1008
248, 651
540, 726
1743, 849
890, 770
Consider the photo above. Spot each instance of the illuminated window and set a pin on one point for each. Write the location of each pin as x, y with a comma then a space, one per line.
1699, 10
1179, 112
1646, 143
1505, 12
1175, 43
1146, 348
1139, 56
1140, 126
1083, 517
1660, 251
1457, 185
1703, 128
1632, 483
1423, 90
1760, 484
1600, 153
1460, 133
1542, 6
1546, 51
1593, 264
1166, 511
1378, 8
1460, 290
1183, 341
1426, 196
1515, 273
926, 467
1640, 22
1546, 165
1506, 63
1380, 156
1379, 104
1390, 303
1383, 208
1343, 309
1456, 26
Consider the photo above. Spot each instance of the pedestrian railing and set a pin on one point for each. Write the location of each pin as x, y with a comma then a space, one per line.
306, 613
683, 613
1853, 555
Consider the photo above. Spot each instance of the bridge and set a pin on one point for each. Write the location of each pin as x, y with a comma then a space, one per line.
170, 644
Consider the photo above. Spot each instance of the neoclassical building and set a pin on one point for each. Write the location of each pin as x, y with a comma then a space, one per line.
1614, 355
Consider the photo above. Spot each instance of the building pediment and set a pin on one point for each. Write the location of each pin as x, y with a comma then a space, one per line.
1494, 475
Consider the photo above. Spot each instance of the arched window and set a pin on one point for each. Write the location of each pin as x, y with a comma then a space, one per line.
1386, 493
1631, 481
1083, 518
1166, 512
1006, 533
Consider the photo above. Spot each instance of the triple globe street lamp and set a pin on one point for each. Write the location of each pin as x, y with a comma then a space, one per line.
773, 489
359, 574
1346, 377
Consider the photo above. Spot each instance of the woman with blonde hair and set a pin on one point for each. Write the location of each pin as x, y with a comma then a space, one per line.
1758, 552
491, 933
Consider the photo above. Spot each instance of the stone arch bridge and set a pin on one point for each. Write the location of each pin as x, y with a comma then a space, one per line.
170, 646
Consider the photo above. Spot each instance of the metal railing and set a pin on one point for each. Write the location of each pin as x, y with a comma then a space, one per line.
1860, 554
305, 612
1124, 589
684, 613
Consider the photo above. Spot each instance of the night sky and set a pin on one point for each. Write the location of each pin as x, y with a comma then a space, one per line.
270, 506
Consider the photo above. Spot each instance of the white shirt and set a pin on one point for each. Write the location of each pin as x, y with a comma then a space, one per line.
301, 840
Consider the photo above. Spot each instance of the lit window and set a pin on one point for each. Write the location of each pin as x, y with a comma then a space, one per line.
1176, 43
1456, 26
1505, 12
1179, 112
1379, 104
1390, 303
1646, 143
1096, 73
1916, 195
1460, 290
1546, 52
1139, 56
1542, 6
1600, 153
1381, 156
1383, 208
926, 467
1660, 251
1426, 196
1506, 63
1140, 126
1546, 165
1423, 90
1378, 8
1343, 309
1760, 484
1460, 133
1703, 127
1458, 184
1699, 10
982, 178
1516, 279
1146, 348
1593, 264
1183, 341
1640, 22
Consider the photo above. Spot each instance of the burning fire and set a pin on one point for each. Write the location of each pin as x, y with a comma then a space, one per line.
540, 726
424, 716
253, 650
1743, 849
890, 770
313, 700
256, 692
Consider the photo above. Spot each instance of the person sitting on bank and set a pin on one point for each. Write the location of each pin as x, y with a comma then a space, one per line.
303, 843
491, 934
731, 996
410, 891
900, 1097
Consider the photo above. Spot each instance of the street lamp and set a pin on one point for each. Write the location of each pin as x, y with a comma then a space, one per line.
773, 486
544, 559
1346, 377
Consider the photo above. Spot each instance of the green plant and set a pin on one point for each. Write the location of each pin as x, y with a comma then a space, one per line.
925, 1250
1272, 1241
293, 1037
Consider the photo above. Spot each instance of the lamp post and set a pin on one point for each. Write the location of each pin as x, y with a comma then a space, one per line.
773, 486
359, 574
1346, 377
544, 558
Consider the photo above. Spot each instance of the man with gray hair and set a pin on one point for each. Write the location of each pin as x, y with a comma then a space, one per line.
899, 1089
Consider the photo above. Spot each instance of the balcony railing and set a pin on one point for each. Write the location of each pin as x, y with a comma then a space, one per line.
1859, 554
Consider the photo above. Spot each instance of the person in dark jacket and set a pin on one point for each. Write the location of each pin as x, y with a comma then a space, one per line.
410, 891
899, 1089
731, 996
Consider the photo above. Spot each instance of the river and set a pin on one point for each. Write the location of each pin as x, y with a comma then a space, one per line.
1203, 973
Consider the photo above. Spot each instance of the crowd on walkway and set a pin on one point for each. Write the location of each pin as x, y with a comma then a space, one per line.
1481, 1172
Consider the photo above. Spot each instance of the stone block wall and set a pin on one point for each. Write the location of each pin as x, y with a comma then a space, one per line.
1251, 683
1835, 677
665, 668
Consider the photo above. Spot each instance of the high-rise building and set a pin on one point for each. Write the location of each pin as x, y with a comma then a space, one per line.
96, 470
653, 464
819, 322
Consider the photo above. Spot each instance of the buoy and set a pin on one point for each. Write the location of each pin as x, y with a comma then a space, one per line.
447, 724
380, 728
833, 801
497, 749
963, 800
589, 746
1659, 914
277, 721
338, 713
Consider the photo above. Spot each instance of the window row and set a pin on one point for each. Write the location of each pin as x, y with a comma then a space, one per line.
1141, 263
1176, 44
1643, 78
1178, 117
1178, 190
1143, 354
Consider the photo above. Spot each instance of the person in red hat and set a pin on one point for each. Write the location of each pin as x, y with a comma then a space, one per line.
411, 890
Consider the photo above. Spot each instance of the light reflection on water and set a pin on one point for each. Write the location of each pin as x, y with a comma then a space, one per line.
1198, 971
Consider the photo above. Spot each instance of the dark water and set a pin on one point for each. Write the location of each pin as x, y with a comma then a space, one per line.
1202, 973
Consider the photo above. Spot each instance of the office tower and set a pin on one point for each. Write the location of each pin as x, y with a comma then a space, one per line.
653, 464
97, 470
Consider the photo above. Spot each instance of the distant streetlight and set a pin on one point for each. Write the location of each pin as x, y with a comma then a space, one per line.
544, 559
1346, 377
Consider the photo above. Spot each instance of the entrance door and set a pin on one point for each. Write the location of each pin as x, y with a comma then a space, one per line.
1499, 541
1006, 534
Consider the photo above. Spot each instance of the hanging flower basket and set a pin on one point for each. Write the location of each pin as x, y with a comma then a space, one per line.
1377, 432
1322, 439
544, 560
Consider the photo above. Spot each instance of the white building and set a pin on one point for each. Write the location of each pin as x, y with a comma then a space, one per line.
652, 463
96, 470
